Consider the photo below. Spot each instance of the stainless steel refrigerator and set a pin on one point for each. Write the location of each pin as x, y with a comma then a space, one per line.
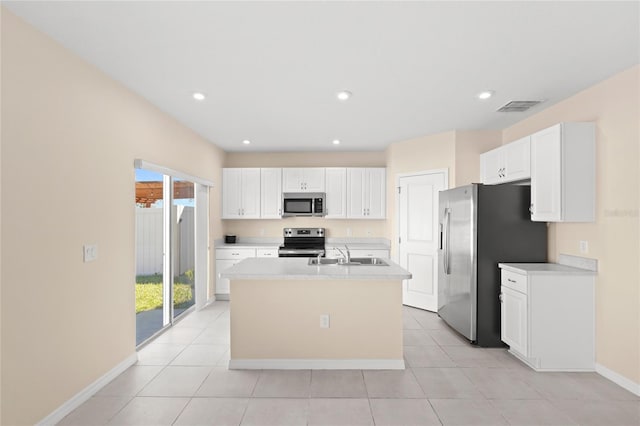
481, 226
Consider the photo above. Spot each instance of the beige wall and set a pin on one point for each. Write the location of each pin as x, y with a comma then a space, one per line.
335, 227
69, 138
469, 146
419, 154
306, 159
613, 239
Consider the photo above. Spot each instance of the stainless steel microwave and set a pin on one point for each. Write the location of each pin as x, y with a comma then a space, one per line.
303, 204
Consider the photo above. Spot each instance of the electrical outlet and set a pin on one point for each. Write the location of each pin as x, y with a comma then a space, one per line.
584, 247
368, 232
90, 252
324, 321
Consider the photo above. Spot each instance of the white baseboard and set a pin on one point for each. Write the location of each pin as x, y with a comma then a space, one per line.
618, 379
86, 393
316, 364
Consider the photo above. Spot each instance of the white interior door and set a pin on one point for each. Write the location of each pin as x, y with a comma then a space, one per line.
418, 246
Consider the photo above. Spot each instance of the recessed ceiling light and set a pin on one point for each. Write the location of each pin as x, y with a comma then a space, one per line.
485, 95
246, 142
199, 96
344, 95
336, 142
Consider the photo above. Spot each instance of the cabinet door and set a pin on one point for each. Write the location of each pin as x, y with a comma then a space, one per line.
313, 179
491, 166
546, 177
514, 319
231, 193
355, 192
270, 193
376, 194
222, 284
336, 193
250, 193
292, 180
517, 159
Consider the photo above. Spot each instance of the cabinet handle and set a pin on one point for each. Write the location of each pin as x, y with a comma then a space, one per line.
239, 212
510, 280
500, 297
531, 209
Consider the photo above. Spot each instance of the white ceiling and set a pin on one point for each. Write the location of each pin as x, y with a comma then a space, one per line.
271, 70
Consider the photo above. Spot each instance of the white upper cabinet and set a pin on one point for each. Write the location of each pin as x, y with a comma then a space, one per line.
563, 173
366, 193
241, 193
271, 193
336, 193
303, 179
508, 163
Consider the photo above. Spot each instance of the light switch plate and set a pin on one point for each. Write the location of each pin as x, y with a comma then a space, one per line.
324, 321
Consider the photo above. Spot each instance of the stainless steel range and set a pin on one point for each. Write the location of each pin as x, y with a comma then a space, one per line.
302, 242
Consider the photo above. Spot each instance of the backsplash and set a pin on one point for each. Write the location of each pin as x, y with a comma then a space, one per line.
335, 228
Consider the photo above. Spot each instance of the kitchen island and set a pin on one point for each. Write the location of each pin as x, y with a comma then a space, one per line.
287, 314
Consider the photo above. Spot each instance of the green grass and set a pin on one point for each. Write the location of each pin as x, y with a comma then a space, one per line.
149, 292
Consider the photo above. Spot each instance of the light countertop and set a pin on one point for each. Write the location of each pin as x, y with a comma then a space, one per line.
543, 268
291, 268
248, 245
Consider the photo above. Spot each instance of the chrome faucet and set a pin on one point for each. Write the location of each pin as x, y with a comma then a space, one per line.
347, 256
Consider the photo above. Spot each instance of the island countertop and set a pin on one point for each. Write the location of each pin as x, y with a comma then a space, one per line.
297, 268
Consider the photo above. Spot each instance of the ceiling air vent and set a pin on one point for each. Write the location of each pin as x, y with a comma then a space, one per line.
518, 106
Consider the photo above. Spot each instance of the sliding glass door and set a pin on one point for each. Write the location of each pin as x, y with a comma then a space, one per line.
166, 249
150, 292
183, 245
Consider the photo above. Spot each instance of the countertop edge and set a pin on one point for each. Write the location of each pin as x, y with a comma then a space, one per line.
557, 268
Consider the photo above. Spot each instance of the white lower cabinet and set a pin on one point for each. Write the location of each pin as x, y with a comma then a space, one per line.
547, 316
513, 312
267, 252
226, 258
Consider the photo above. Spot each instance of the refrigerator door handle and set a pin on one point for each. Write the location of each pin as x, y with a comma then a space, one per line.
447, 225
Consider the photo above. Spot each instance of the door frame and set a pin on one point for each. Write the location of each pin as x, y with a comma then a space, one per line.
202, 240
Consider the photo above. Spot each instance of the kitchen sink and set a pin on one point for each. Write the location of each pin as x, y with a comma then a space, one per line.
355, 261
369, 261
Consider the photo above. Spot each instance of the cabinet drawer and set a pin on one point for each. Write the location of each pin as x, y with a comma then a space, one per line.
517, 282
236, 253
370, 253
267, 252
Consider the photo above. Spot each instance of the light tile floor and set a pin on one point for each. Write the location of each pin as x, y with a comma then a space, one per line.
181, 378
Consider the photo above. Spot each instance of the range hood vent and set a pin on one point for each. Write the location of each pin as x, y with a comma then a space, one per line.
518, 106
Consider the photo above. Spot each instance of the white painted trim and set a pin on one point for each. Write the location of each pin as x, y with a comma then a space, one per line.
78, 399
316, 364
142, 164
618, 379
201, 232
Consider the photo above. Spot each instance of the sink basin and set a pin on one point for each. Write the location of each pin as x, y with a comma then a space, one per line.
355, 261
323, 261
369, 261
